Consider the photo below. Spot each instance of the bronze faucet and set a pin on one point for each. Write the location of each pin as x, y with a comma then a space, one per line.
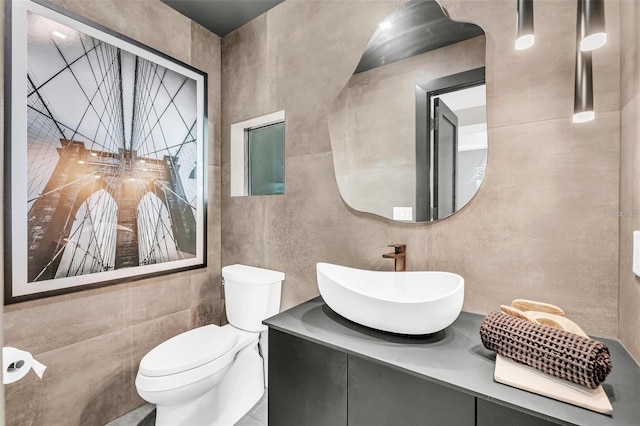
399, 255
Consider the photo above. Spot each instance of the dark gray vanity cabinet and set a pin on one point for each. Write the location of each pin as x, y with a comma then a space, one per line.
307, 383
310, 384
379, 396
491, 414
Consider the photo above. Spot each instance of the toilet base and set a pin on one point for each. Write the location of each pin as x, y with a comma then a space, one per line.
227, 402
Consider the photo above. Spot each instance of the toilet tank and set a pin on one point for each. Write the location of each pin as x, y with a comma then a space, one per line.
251, 295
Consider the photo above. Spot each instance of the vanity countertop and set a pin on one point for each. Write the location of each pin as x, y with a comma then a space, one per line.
456, 358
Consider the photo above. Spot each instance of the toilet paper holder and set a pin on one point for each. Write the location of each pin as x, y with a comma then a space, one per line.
17, 363
15, 366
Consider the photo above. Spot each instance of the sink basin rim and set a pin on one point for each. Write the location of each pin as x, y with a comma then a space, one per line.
435, 309
460, 281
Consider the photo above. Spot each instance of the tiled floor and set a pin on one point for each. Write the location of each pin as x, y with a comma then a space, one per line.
141, 416
257, 416
146, 416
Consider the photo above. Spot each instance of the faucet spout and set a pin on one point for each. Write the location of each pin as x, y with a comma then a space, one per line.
399, 256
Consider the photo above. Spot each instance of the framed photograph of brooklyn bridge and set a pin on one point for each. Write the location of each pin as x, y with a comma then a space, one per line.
105, 178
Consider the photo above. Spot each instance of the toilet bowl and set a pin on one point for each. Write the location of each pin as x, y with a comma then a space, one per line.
213, 375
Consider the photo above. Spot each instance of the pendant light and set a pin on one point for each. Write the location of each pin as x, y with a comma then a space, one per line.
583, 94
524, 25
594, 35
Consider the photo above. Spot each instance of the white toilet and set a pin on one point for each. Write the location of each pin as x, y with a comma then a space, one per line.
213, 375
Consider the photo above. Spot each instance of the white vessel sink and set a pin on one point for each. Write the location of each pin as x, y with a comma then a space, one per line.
420, 302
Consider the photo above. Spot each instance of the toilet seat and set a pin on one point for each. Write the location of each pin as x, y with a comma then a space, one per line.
187, 358
188, 350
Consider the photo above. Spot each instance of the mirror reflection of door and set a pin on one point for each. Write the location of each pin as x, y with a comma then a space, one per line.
451, 158
445, 160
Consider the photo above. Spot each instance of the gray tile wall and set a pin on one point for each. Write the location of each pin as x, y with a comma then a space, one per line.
92, 341
536, 229
629, 174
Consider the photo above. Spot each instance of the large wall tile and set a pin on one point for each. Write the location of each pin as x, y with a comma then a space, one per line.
205, 55
205, 286
85, 383
148, 300
205, 283
538, 227
629, 174
244, 226
52, 323
206, 313
247, 95
629, 222
630, 50
214, 215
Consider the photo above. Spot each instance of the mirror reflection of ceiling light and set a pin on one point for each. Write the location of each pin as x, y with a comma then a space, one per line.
593, 42
524, 25
594, 35
385, 25
525, 41
59, 35
583, 110
583, 117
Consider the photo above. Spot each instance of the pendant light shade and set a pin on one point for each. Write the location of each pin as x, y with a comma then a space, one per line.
524, 25
594, 35
583, 95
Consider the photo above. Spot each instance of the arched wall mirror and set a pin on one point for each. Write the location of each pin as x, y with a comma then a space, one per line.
409, 131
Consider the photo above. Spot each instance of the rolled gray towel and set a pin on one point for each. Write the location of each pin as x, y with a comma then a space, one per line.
556, 352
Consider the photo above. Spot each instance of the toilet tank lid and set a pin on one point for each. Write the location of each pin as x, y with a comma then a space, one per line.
188, 350
251, 274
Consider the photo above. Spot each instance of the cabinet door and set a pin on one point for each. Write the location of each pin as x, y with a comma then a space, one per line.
307, 383
382, 396
490, 414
